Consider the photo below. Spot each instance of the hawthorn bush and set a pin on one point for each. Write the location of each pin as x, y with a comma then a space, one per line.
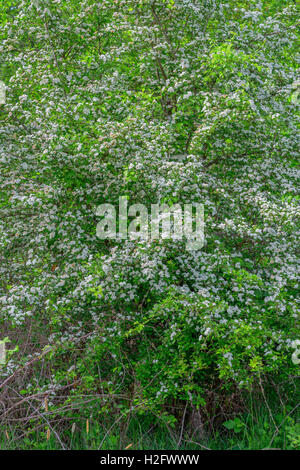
101, 99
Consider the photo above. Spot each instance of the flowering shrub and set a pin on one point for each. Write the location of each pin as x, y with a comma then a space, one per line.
160, 101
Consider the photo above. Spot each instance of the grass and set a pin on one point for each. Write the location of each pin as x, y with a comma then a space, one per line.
262, 427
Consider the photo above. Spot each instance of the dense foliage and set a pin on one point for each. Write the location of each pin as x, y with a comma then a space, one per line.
173, 101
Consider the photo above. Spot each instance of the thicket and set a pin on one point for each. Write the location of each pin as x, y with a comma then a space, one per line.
101, 98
